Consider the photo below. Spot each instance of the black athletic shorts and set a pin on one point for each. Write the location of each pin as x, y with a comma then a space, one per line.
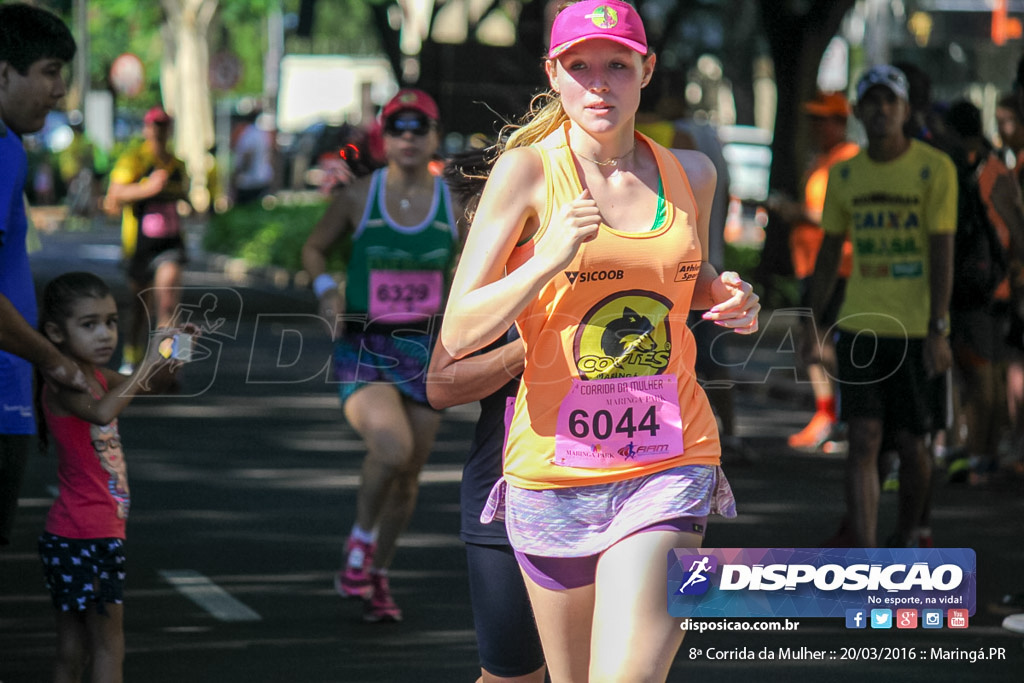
506, 632
884, 378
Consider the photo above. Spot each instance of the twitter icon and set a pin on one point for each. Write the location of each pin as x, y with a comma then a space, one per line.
881, 618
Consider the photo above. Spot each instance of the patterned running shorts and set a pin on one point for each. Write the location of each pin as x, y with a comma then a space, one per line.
81, 572
362, 358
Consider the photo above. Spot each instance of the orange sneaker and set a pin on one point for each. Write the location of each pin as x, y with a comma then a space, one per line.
814, 434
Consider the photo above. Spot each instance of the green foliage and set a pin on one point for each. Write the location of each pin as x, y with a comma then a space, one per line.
339, 27
269, 237
240, 27
743, 260
777, 291
119, 26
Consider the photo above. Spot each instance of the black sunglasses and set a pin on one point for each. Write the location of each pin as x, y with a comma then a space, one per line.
418, 126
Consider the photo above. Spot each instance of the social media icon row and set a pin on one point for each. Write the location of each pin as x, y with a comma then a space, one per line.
906, 618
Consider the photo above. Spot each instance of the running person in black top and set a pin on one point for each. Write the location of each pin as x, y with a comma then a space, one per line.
507, 639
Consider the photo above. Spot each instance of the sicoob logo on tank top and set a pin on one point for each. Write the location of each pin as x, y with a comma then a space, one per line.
626, 334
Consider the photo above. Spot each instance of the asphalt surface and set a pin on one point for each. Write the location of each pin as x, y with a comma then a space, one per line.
244, 484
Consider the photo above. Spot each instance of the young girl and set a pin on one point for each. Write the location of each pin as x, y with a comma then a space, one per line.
82, 549
592, 240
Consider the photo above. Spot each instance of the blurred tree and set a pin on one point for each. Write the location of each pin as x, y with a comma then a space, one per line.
177, 64
798, 32
793, 32
340, 27
119, 26
239, 27
185, 84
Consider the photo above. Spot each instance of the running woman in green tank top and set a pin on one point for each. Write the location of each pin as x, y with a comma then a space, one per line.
398, 275
403, 225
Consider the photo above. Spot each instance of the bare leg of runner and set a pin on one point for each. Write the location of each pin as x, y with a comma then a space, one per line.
401, 500
564, 619
634, 637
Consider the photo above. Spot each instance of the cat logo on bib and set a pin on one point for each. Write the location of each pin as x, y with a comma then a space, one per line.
624, 408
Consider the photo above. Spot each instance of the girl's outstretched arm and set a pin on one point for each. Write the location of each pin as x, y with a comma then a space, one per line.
103, 409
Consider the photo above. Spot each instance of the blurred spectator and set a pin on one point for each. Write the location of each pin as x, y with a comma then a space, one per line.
927, 125
705, 139
925, 121
1011, 136
989, 200
670, 124
1015, 622
219, 202
43, 180
79, 164
828, 114
1010, 125
252, 169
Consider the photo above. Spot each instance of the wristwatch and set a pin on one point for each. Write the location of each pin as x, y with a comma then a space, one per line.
938, 326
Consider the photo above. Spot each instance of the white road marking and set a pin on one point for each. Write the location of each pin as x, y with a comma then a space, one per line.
208, 595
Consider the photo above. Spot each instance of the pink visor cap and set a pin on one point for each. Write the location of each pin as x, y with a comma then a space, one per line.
608, 19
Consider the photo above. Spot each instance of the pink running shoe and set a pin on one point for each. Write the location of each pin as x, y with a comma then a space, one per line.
354, 580
381, 607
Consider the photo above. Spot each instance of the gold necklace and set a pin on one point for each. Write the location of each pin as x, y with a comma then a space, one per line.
614, 161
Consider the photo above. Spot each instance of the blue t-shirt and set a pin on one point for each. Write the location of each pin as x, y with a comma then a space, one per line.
483, 464
15, 283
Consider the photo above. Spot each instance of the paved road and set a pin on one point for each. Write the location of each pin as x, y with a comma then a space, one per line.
243, 487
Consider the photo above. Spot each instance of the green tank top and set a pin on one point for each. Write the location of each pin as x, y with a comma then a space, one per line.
399, 275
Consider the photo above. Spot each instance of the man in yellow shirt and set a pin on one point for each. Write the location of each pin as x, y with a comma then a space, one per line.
897, 203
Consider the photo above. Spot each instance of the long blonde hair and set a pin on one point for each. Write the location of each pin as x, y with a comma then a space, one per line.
545, 116
467, 173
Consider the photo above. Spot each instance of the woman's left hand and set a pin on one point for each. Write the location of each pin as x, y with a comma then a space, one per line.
738, 305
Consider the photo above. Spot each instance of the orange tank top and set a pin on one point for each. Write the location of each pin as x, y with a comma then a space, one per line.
990, 170
609, 391
805, 238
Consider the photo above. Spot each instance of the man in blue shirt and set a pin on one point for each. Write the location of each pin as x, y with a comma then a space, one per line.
34, 47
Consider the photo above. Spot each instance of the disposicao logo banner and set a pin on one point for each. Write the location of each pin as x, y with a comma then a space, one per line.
817, 582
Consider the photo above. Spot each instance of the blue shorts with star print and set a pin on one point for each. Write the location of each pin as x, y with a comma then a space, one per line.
81, 572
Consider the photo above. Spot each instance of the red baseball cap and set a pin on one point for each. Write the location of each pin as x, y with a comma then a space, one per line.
156, 115
411, 99
609, 19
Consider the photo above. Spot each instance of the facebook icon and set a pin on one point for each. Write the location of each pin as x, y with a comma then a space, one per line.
856, 618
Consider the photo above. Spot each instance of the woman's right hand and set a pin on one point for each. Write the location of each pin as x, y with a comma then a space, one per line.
577, 222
